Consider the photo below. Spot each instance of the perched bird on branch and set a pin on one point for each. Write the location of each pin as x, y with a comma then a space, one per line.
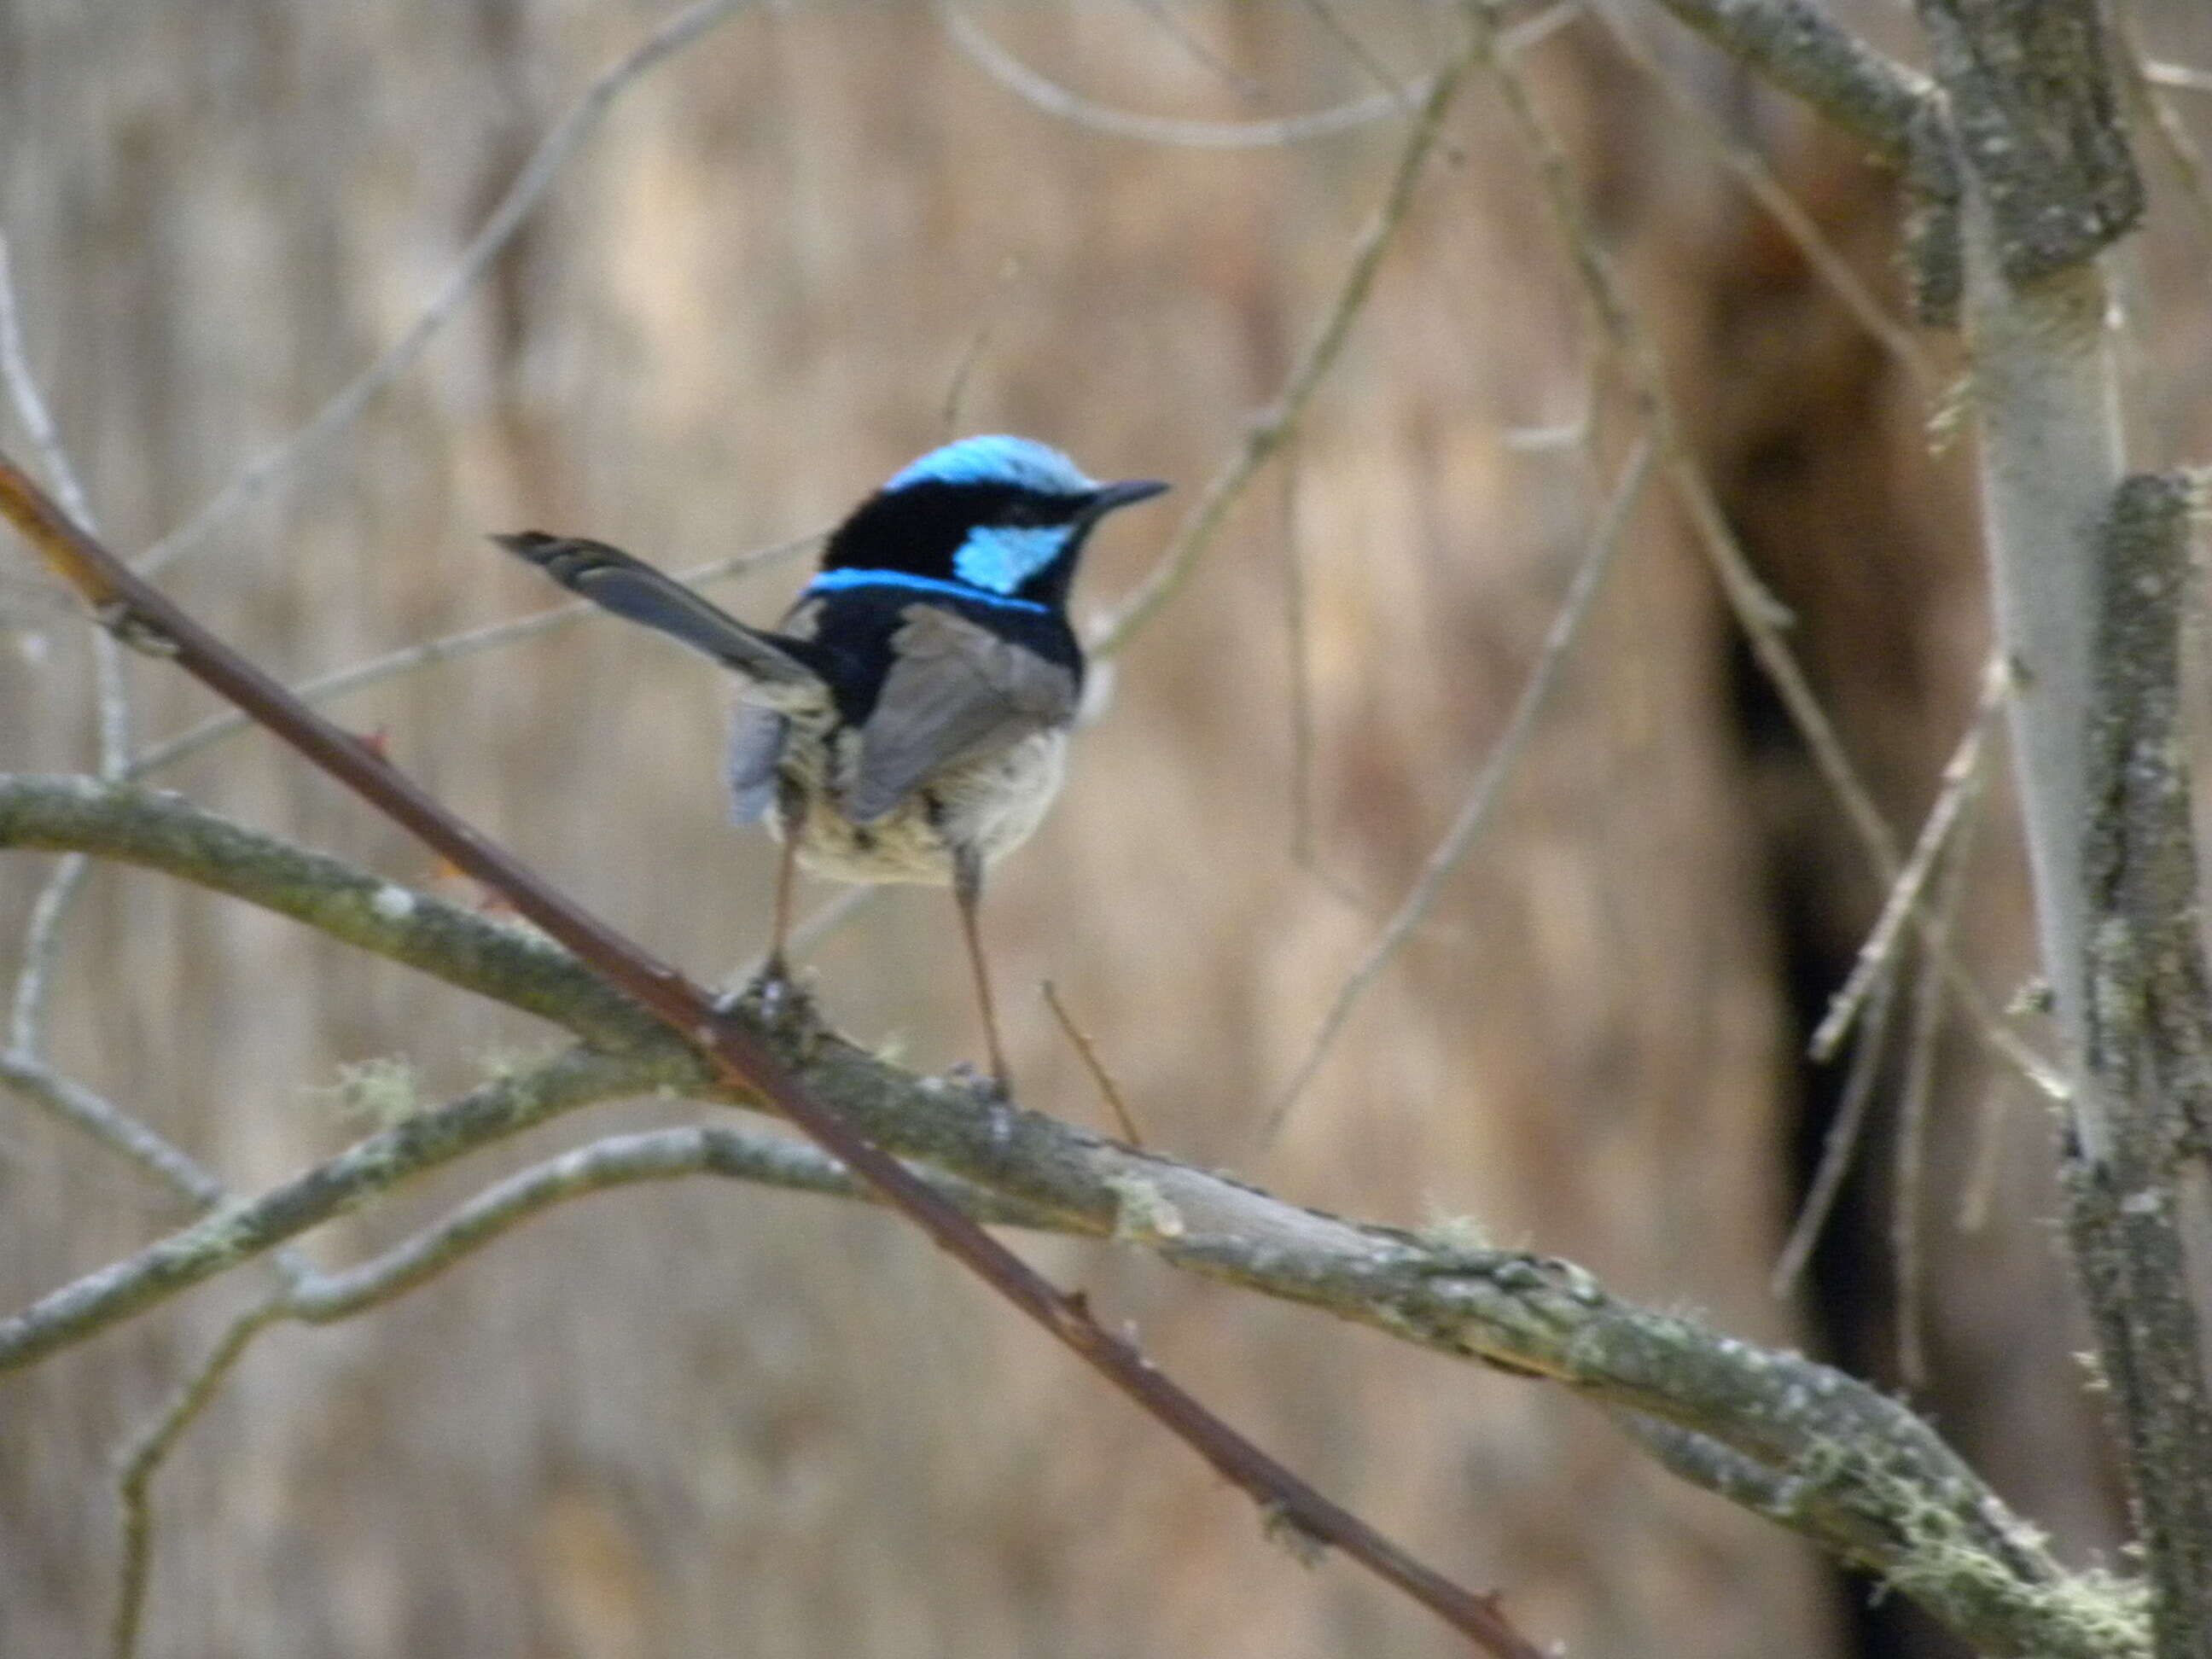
908, 719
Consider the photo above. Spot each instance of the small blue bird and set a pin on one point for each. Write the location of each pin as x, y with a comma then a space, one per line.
908, 719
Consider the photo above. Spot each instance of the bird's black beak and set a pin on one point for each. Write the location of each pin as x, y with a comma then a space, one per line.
1107, 497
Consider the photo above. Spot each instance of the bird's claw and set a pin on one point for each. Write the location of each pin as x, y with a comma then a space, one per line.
774, 997
990, 1085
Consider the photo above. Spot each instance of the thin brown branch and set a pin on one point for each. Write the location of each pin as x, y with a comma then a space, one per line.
514, 208
1123, 1119
1482, 797
1854, 1462
451, 647
1758, 179
1840, 1144
979, 342
138, 611
1961, 780
1049, 95
1756, 611
1268, 431
1915, 1097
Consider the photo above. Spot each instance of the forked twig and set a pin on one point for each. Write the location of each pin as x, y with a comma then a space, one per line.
1757, 178
1123, 1118
151, 1449
1839, 69
1475, 812
741, 1056
1962, 775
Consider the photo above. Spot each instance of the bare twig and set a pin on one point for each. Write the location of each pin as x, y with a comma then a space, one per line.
739, 1054
1863, 1477
1798, 48
603, 1165
1979, 1190
144, 1459
1355, 49
1757, 178
1962, 775
42, 941
1244, 86
515, 207
1123, 1120
1908, 1206
110, 1125
1300, 699
1268, 431
2140, 80
1018, 77
1756, 611
30, 402
451, 647
956, 390
1840, 1144
42, 937
2177, 74
1475, 812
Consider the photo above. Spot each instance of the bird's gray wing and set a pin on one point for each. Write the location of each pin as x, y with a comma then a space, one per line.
955, 692
613, 581
757, 736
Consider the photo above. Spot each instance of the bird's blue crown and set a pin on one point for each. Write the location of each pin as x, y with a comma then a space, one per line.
995, 519
1021, 463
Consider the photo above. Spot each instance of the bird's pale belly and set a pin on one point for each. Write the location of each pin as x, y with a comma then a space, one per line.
992, 804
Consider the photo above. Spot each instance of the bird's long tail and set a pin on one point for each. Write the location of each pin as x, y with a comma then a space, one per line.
613, 581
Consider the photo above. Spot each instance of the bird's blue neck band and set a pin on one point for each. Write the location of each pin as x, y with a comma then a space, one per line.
835, 581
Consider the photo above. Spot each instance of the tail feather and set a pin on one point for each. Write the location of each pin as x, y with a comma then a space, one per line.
628, 587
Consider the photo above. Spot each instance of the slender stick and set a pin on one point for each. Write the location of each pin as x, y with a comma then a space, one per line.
515, 207
141, 613
1088, 1050
1475, 811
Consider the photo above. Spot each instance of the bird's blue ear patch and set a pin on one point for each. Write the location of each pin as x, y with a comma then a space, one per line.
999, 558
1021, 462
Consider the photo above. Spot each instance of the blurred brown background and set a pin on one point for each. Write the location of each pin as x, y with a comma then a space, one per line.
711, 1420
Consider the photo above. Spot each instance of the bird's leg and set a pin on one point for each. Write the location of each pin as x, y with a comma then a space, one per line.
777, 968
968, 893
773, 982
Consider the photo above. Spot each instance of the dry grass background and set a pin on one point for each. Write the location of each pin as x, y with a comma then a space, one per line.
713, 1421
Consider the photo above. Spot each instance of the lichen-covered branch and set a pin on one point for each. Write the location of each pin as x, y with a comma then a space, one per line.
2032, 104
1864, 1476
2150, 1058
1796, 45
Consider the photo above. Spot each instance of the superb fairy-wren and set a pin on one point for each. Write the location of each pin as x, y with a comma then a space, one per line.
908, 719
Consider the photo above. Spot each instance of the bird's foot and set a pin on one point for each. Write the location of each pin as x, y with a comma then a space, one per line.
992, 1087
775, 998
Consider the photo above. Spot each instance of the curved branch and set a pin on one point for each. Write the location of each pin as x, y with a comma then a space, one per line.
1798, 48
1864, 1477
1025, 83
